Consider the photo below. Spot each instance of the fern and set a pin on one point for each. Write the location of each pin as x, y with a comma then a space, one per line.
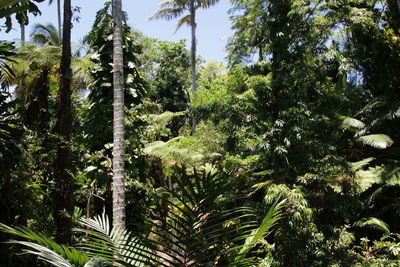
374, 223
380, 141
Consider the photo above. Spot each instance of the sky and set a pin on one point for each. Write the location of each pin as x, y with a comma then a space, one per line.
213, 25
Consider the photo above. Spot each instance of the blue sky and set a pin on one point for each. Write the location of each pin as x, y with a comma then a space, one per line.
213, 25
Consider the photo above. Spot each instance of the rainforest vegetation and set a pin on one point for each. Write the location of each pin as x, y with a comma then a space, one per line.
128, 150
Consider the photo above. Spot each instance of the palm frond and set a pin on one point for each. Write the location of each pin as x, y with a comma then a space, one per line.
273, 215
6, 73
111, 244
352, 123
361, 164
39, 38
45, 248
189, 227
168, 13
374, 223
48, 34
98, 262
206, 3
43, 253
380, 141
182, 21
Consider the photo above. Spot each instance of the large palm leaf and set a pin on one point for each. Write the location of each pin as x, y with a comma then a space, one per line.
273, 215
111, 243
45, 248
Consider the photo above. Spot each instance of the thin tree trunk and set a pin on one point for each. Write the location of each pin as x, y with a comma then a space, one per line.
398, 5
193, 56
22, 34
63, 195
59, 16
260, 54
118, 186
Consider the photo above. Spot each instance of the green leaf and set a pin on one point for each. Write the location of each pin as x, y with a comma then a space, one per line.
45, 248
90, 168
380, 141
98, 262
273, 215
361, 164
352, 123
373, 222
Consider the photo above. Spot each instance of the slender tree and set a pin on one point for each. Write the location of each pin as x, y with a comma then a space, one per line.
22, 33
186, 9
119, 120
58, 14
398, 4
63, 195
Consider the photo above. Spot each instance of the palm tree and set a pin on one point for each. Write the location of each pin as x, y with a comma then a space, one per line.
22, 26
58, 14
186, 11
45, 35
118, 186
63, 193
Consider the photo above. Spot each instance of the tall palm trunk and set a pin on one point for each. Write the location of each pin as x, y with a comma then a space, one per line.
118, 186
63, 195
59, 16
193, 55
398, 5
22, 33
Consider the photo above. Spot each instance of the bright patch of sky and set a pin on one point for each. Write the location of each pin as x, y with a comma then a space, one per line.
213, 25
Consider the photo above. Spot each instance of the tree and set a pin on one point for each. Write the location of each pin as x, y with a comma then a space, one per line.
63, 195
97, 131
58, 14
251, 32
171, 79
172, 9
118, 186
45, 35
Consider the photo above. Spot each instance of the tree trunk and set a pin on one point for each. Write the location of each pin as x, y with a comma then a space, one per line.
398, 5
260, 54
59, 16
193, 56
118, 186
63, 195
22, 34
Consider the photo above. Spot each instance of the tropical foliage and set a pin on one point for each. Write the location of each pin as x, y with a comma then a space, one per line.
294, 161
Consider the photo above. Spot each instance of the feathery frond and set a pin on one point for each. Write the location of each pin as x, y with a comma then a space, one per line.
273, 215
380, 141
373, 222
45, 248
45, 34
